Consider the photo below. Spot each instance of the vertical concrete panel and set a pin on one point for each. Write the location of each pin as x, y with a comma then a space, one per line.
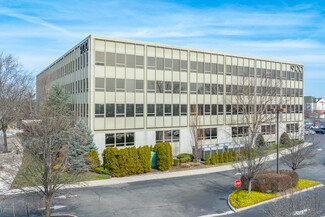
224, 134
99, 140
145, 138
185, 141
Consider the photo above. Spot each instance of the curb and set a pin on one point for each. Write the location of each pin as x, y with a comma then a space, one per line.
271, 200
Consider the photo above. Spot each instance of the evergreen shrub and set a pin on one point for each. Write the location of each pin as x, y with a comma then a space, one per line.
230, 156
225, 157
220, 157
207, 159
213, 159
164, 155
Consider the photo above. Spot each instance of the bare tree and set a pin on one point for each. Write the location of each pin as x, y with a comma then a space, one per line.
48, 161
15, 84
310, 205
255, 98
196, 132
300, 154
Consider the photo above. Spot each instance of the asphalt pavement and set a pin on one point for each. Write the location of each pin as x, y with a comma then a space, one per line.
199, 195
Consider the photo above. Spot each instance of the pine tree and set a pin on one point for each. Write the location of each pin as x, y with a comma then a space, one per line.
213, 159
207, 159
225, 157
230, 156
235, 155
217, 157
221, 158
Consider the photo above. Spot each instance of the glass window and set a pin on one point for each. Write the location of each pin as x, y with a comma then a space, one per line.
176, 66
228, 89
220, 109
214, 109
160, 63
168, 63
251, 72
99, 110
151, 86
193, 109
207, 88
246, 71
119, 110
200, 109
159, 87
139, 110
120, 139
184, 109
120, 59
159, 136
110, 84
207, 68
139, 85
139, 61
129, 137
159, 110
129, 110
175, 135
110, 110
200, 67
110, 59
110, 139
220, 89
151, 62
151, 109
207, 134
168, 87
120, 85
228, 109
220, 69
130, 85
168, 110
207, 109
213, 133
258, 72
183, 87
175, 110
214, 68
99, 84
228, 69
193, 88
175, 87
200, 88
99, 58
193, 66
240, 71
184, 65
214, 89
130, 61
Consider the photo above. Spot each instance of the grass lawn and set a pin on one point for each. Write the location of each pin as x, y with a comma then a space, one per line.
245, 199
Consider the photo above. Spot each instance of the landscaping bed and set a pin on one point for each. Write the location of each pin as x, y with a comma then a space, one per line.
255, 197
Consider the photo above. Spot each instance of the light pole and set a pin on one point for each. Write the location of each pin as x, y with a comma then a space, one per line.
277, 110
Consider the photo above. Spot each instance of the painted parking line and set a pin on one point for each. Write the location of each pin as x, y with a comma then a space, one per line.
219, 214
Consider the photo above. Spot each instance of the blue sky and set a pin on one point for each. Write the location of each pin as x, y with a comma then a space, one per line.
38, 32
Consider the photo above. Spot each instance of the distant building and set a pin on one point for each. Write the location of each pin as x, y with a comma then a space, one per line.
314, 106
134, 93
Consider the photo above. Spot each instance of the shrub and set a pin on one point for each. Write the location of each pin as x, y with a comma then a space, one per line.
93, 159
260, 140
230, 156
294, 177
221, 158
101, 170
285, 139
110, 161
225, 157
213, 159
268, 180
146, 159
207, 159
123, 160
176, 162
217, 157
185, 157
234, 155
164, 156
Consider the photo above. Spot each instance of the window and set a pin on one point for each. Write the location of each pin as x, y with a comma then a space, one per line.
268, 129
239, 131
110, 139
110, 110
228, 109
168, 110
99, 58
200, 67
129, 110
207, 88
200, 89
258, 72
184, 109
120, 85
110, 84
207, 68
251, 72
139, 110
120, 110
220, 109
99, 84
228, 89
159, 110
175, 110
214, 68
160, 63
99, 110
193, 66
193, 109
175, 136
207, 109
151, 62
120, 139
176, 87
120, 59
139, 61
130, 85
167, 136
228, 69
139, 85
110, 59
168, 64
193, 88
220, 68
220, 89
214, 109
183, 65
176, 65
159, 87
159, 136
183, 87
284, 75
151, 86
168, 87
151, 109
207, 133
213, 133
200, 109
129, 139
214, 89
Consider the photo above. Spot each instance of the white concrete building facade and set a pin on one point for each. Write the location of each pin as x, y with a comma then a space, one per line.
134, 93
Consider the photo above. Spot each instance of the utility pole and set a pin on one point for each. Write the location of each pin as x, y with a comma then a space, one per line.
277, 110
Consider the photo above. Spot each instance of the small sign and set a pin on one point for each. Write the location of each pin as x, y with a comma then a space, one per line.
237, 183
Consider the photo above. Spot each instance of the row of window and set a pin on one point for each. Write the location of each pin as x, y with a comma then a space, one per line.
118, 110
268, 129
250, 109
81, 110
119, 139
117, 59
239, 131
292, 128
72, 66
80, 86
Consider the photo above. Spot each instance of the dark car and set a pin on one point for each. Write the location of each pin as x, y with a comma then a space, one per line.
320, 131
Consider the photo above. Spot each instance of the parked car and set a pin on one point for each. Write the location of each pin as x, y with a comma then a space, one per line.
320, 131
309, 132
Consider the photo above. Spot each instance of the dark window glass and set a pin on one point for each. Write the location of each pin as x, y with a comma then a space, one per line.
110, 110
220, 89
120, 85
183, 65
207, 88
168, 136
129, 137
110, 84
151, 62
139, 61
99, 84
120, 59
214, 109
139, 110
99, 110
130, 61
160, 63
151, 86
129, 110
176, 66
168, 63
200, 109
228, 69
193, 88
207, 109
159, 87
110, 59
151, 109
214, 68
119, 110
176, 87
220, 68
159, 109
200, 89
175, 135
207, 68
183, 87
168, 87
120, 139
193, 66
207, 134
183, 109
175, 110
168, 110
214, 89
110, 139
139, 85
200, 67
159, 136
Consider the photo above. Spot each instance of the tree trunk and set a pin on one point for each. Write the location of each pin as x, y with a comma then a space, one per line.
249, 186
5, 141
47, 206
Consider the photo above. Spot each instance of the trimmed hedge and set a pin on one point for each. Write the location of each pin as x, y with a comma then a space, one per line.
164, 155
225, 157
213, 159
269, 180
176, 162
217, 157
207, 159
234, 155
127, 161
93, 159
221, 158
184, 158
230, 156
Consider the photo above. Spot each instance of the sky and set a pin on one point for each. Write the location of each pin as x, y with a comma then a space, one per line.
38, 32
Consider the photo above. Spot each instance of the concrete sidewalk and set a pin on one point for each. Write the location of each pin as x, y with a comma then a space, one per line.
148, 176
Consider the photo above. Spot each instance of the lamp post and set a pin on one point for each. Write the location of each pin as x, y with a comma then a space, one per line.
277, 110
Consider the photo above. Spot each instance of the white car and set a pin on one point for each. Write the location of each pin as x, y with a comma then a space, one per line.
309, 132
